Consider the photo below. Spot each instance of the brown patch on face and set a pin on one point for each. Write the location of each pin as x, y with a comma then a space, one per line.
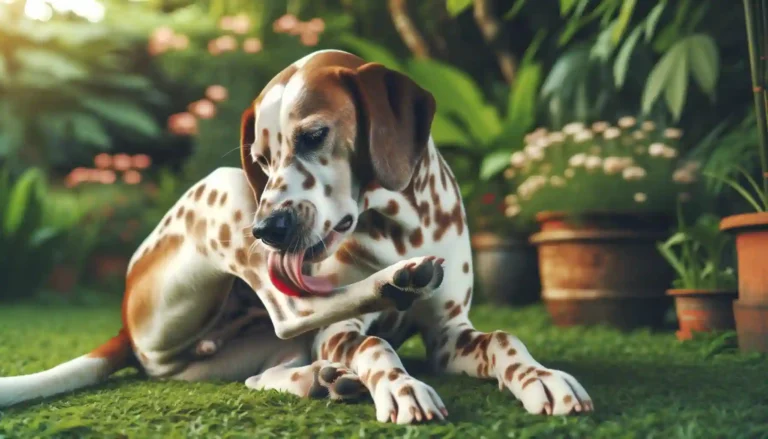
416, 239
240, 256
238, 216
509, 373
223, 199
468, 297
212, 197
199, 192
180, 212
449, 304
465, 267
225, 235
214, 245
328, 190
392, 208
309, 179
369, 343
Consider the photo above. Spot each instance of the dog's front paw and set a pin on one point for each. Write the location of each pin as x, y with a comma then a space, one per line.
546, 391
413, 280
400, 398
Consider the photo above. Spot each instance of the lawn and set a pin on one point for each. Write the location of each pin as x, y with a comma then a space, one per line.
643, 385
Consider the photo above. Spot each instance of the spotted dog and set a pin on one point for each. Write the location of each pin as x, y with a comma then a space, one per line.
349, 227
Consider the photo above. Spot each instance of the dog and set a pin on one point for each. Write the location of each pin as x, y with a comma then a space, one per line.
344, 233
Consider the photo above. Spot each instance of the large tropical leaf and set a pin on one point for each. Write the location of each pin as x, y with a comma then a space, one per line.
124, 113
87, 129
49, 62
456, 7
677, 86
625, 14
704, 62
446, 133
660, 77
23, 202
623, 58
370, 51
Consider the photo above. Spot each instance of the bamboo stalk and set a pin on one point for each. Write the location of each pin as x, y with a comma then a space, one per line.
407, 29
753, 15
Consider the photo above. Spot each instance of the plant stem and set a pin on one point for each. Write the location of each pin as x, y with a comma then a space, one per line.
757, 71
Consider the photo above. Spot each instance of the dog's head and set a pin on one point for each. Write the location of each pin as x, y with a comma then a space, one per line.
320, 132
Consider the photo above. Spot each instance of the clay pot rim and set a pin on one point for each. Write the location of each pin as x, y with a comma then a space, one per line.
736, 223
700, 292
548, 215
593, 235
742, 304
490, 240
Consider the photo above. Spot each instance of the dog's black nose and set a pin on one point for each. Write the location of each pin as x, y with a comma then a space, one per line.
277, 229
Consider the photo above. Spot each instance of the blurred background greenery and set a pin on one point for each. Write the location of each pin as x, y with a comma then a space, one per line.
110, 109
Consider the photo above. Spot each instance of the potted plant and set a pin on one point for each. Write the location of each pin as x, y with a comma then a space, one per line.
705, 287
751, 229
602, 196
505, 264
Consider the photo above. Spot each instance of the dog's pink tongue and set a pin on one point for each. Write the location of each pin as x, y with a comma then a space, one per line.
285, 273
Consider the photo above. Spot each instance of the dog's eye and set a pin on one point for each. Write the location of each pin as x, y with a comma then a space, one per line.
310, 140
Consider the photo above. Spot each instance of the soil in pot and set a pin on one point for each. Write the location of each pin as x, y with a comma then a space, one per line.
603, 269
751, 310
506, 269
703, 311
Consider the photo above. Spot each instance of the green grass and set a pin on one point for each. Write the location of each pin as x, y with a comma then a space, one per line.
643, 385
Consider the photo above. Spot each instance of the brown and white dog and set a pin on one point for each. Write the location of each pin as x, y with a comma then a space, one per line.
341, 185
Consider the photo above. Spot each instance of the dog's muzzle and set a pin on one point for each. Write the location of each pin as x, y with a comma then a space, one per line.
278, 229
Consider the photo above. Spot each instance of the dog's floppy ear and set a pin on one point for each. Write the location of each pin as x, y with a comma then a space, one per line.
257, 179
396, 121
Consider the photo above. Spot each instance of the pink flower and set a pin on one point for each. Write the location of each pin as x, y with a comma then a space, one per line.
241, 24
309, 39
226, 43
216, 93
141, 161
163, 34
252, 45
180, 42
121, 162
183, 124
286, 23
316, 25
132, 177
213, 48
102, 161
204, 109
107, 176
226, 23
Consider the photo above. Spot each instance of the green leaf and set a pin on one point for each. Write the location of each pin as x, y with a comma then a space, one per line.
515, 10
566, 6
88, 129
494, 163
124, 113
621, 64
677, 86
22, 201
661, 74
653, 20
621, 23
456, 7
371, 52
51, 63
705, 62
521, 106
445, 132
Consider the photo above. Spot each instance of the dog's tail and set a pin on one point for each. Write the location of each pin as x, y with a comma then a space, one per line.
83, 371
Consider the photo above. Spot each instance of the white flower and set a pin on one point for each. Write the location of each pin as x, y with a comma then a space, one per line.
611, 133
692, 166
613, 165
556, 137
510, 199
683, 176
638, 135
633, 173
577, 160
557, 181
573, 128
599, 127
669, 153
518, 159
648, 125
536, 134
512, 211
593, 162
656, 149
640, 197
534, 153
673, 133
542, 143
509, 173
569, 173
626, 121
583, 136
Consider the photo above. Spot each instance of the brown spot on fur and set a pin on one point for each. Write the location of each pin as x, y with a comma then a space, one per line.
449, 304
199, 192
167, 221
295, 376
405, 391
225, 235
199, 230
309, 179
212, 197
377, 355
240, 256
323, 161
189, 220
213, 244
351, 253
567, 399
465, 267
233, 268
305, 312
238, 216
279, 138
180, 212
375, 380
511, 352
254, 259
454, 312
543, 373
253, 279
464, 339
503, 339
395, 373
468, 297
527, 371
529, 381
416, 239
392, 208
509, 373
328, 190
369, 343
223, 199
327, 226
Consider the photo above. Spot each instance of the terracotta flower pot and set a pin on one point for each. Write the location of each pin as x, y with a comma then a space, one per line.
703, 310
603, 268
751, 310
506, 269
